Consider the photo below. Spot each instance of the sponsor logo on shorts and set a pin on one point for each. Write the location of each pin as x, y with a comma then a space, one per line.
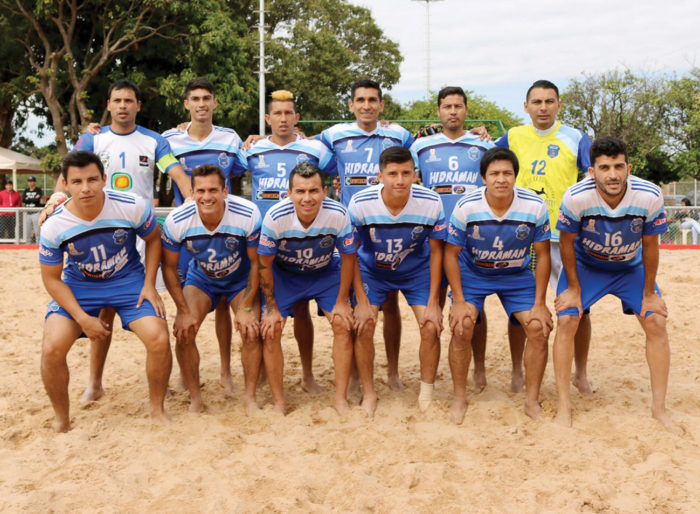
143, 161
253, 237
167, 239
53, 306
452, 230
120, 236
148, 221
45, 251
553, 150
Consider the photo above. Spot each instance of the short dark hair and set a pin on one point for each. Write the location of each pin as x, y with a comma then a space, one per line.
498, 153
609, 146
686, 201
280, 95
80, 159
370, 84
200, 83
124, 84
305, 169
204, 170
543, 84
451, 90
394, 154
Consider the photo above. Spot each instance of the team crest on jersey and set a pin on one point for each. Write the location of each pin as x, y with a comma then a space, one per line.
72, 250
553, 150
416, 232
231, 243
302, 157
590, 226
120, 236
636, 225
372, 181
522, 231
433, 157
224, 160
373, 235
327, 241
473, 153
348, 148
475, 234
387, 143
261, 162
459, 190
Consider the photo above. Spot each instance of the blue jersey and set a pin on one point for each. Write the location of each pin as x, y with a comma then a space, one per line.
357, 153
101, 250
396, 246
609, 238
493, 245
450, 167
270, 165
219, 255
299, 249
130, 159
222, 147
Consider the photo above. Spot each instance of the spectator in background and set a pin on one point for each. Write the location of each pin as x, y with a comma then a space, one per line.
9, 198
688, 219
334, 190
32, 197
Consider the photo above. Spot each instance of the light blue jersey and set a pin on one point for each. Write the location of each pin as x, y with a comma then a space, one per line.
222, 147
357, 153
219, 255
610, 239
450, 167
497, 245
270, 165
102, 250
396, 246
299, 249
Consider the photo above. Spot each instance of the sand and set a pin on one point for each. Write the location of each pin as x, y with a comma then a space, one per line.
616, 458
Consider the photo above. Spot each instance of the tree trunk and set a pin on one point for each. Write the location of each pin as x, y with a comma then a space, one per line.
7, 113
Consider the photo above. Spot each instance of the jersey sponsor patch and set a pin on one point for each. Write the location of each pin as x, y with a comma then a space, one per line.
122, 181
143, 160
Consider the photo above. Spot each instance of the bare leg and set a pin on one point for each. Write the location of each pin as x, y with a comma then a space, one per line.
98, 357
153, 332
342, 361
582, 342
535, 363
59, 335
364, 355
354, 382
274, 366
251, 359
429, 353
392, 340
304, 334
516, 340
459, 356
224, 331
563, 357
478, 344
659, 358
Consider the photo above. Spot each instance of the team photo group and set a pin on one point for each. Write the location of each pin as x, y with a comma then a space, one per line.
446, 219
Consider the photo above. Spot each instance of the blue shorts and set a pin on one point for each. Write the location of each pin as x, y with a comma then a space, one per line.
516, 291
416, 289
627, 285
216, 290
121, 297
321, 286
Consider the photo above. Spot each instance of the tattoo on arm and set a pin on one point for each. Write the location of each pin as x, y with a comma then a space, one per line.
267, 288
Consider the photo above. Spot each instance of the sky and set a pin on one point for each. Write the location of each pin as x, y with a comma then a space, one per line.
497, 48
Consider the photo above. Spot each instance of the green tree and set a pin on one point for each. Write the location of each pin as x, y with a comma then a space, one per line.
683, 122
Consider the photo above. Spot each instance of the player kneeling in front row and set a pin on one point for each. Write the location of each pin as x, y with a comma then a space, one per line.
98, 229
298, 263
221, 231
495, 225
401, 230
603, 222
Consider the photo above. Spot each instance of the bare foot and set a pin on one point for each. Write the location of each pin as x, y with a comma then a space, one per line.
369, 403
458, 410
479, 379
180, 387
160, 418
581, 383
353, 385
664, 418
196, 406
517, 382
394, 383
533, 410
226, 381
563, 417
309, 385
92, 394
61, 425
279, 408
251, 407
342, 406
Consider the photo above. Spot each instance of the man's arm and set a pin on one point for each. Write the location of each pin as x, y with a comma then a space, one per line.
651, 302
153, 257
460, 308
571, 297
539, 310
347, 274
432, 312
185, 326
178, 175
272, 315
246, 318
93, 327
